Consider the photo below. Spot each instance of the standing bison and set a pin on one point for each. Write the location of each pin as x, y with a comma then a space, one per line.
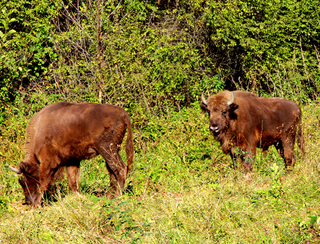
241, 122
63, 134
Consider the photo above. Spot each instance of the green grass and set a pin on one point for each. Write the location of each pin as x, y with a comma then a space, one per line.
182, 190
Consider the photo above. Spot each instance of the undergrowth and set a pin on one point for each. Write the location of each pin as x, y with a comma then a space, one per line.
182, 190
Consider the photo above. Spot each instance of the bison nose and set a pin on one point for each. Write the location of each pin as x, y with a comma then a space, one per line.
214, 128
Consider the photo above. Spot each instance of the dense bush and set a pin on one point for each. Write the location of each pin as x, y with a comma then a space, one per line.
124, 58
148, 55
271, 46
26, 48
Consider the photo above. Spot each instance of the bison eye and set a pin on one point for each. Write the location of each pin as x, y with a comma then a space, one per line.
224, 112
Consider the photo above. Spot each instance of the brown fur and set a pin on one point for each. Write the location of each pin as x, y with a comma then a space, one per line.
251, 122
63, 134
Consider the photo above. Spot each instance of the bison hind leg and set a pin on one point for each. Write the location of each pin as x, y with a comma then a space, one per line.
115, 186
285, 148
289, 157
116, 168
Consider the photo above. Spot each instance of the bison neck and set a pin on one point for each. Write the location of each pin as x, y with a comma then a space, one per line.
224, 138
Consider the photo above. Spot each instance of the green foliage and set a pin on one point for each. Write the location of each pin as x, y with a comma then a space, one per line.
26, 47
122, 58
273, 44
145, 58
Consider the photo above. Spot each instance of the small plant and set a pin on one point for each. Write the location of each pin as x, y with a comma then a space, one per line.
276, 185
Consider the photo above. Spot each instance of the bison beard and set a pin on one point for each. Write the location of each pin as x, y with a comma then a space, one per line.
241, 122
63, 134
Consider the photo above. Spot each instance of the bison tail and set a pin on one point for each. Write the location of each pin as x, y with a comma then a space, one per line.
129, 146
300, 138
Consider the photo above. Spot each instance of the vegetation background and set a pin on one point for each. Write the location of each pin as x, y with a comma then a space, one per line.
155, 58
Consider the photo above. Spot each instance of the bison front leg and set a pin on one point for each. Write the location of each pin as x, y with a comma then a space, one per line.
73, 172
244, 147
46, 177
247, 164
234, 160
49, 165
248, 157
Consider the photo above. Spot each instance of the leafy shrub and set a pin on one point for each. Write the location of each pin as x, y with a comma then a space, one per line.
270, 46
26, 46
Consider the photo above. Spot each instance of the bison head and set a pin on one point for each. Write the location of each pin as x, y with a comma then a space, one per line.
29, 182
221, 109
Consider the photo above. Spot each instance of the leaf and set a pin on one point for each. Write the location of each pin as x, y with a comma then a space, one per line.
12, 20
11, 32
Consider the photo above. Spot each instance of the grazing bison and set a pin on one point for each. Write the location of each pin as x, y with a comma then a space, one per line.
241, 122
63, 134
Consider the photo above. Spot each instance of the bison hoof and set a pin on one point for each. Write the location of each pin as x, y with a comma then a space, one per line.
247, 166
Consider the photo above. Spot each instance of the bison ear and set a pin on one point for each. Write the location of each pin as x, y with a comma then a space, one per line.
23, 167
233, 107
232, 110
204, 108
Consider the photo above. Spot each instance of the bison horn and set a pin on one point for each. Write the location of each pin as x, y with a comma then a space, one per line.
15, 170
231, 100
203, 99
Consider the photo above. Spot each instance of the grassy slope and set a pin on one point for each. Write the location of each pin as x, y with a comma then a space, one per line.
183, 191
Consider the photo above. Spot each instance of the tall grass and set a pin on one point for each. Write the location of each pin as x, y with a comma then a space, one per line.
182, 190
